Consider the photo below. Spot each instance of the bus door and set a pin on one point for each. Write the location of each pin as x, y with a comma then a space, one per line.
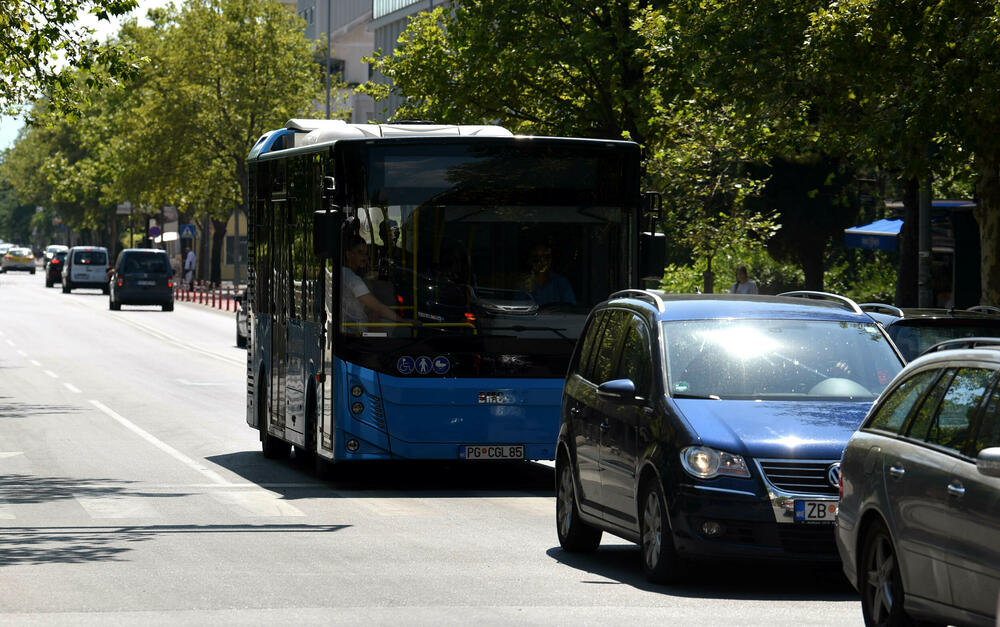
279, 326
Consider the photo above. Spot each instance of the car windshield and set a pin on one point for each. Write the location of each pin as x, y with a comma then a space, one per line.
913, 340
777, 359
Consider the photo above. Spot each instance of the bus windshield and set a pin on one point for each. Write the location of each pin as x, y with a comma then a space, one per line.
488, 240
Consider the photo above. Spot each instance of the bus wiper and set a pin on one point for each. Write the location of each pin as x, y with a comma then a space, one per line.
521, 328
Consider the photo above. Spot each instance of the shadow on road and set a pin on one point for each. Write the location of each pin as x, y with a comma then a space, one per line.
417, 479
74, 545
712, 579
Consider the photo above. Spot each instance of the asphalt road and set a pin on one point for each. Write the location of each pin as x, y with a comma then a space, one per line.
132, 491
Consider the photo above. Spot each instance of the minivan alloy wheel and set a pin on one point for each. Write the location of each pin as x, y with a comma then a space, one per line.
659, 556
574, 534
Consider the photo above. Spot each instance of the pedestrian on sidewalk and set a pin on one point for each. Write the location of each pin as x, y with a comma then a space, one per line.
189, 265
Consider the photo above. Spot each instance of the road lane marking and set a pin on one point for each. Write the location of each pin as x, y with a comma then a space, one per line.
35, 363
22, 353
52, 374
163, 446
6, 454
5, 511
71, 387
116, 506
257, 503
11, 343
197, 383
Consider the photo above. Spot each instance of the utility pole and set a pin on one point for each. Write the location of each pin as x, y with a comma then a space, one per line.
329, 51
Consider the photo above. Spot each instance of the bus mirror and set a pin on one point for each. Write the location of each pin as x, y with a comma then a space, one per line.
652, 207
652, 256
326, 233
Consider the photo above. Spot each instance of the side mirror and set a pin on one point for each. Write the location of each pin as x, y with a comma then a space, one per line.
652, 256
622, 390
988, 462
326, 233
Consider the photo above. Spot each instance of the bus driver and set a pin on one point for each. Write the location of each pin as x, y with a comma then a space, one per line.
357, 301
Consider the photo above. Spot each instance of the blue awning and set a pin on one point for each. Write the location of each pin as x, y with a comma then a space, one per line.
879, 235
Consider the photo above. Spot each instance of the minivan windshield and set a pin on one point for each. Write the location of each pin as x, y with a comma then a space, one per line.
90, 257
777, 359
145, 263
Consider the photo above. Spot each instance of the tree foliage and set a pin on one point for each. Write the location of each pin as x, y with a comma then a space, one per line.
42, 43
218, 74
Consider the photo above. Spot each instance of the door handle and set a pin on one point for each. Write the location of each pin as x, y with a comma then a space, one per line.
575, 411
955, 489
605, 426
897, 472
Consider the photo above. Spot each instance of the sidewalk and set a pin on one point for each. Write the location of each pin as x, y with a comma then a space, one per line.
218, 297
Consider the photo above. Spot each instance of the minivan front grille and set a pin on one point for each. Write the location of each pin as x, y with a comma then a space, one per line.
800, 476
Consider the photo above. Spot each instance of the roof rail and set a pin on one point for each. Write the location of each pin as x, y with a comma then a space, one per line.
963, 342
643, 295
985, 309
844, 301
892, 309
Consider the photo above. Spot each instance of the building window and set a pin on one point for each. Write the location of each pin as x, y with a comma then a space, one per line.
230, 249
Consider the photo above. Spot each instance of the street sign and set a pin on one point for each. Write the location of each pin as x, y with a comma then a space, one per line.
154, 231
187, 230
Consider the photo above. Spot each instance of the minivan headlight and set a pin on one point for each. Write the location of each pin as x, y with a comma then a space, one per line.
705, 463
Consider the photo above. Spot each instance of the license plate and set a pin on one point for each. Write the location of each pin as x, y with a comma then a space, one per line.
815, 511
145, 283
499, 451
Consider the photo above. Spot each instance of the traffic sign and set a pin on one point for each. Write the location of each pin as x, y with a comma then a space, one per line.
154, 231
187, 230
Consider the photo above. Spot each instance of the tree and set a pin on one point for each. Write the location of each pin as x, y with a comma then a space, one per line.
548, 67
220, 74
920, 80
41, 39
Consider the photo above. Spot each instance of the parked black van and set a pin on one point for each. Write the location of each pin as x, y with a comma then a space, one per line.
142, 276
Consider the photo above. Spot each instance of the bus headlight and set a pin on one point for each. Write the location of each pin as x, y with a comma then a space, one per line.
705, 463
357, 390
357, 407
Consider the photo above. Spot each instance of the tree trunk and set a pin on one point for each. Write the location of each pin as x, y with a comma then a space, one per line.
987, 214
909, 246
218, 239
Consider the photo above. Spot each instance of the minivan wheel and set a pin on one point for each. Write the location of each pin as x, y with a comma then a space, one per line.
659, 557
112, 305
879, 581
575, 535
168, 307
66, 287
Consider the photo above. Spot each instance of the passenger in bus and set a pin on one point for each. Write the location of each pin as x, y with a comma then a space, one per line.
358, 304
544, 285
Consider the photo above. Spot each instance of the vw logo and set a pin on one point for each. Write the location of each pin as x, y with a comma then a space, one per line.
833, 474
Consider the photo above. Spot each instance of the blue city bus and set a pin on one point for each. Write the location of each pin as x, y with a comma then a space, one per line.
484, 252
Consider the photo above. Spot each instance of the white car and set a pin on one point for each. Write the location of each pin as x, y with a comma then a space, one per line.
86, 266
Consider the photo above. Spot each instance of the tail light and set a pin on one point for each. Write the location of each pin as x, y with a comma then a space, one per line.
120, 282
170, 283
55, 262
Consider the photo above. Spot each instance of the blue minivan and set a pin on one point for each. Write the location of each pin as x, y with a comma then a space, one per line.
712, 426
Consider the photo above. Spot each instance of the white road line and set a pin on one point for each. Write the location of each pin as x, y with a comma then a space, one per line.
22, 353
11, 343
35, 363
72, 388
257, 503
116, 506
52, 374
163, 446
197, 383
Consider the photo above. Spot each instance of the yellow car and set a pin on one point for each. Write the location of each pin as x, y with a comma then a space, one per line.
18, 259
